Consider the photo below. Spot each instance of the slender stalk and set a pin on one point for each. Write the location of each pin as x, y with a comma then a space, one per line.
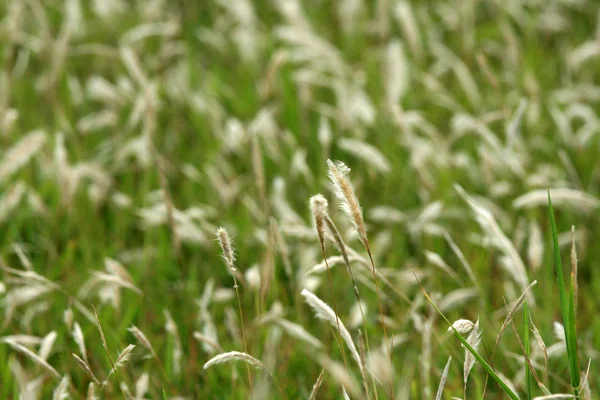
470, 348
318, 204
107, 351
389, 350
342, 249
229, 257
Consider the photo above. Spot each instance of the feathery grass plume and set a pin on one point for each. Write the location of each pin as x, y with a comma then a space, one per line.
234, 356
567, 305
79, 340
521, 300
34, 357
474, 339
61, 392
514, 265
18, 155
344, 191
46, 345
229, 256
91, 393
318, 205
341, 246
297, 331
367, 153
575, 285
437, 261
338, 374
11, 200
142, 386
205, 339
345, 394
569, 198
349, 204
443, 379
316, 386
503, 385
323, 311
396, 73
535, 250
425, 356
122, 359
342, 249
457, 298
139, 335
463, 260
541, 345
85, 367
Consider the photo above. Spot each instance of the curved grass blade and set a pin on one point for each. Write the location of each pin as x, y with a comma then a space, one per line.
509, 392
567, 306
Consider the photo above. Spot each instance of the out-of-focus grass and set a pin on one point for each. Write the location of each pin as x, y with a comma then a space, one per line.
433, 135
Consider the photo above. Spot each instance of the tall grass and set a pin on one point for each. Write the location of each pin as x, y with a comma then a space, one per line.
567, 306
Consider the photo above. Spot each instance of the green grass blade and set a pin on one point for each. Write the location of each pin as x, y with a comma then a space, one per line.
477, 356
567, 305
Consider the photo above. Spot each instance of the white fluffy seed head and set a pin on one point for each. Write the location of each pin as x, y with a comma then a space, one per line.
318, 205
323, 311
225, 244
231, 356
344, 191
463, 326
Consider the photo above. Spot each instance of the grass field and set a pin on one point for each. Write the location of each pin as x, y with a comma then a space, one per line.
131, 131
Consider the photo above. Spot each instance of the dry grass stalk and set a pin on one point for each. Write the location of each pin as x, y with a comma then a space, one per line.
229, 256
349, 204
79, 340
316, 386
297, 331
323, 311
37, 359
91, 393
542, 346
474, 339
18, 155
61, 392
107, 352
122, 359
234, 356
205, 339
139, 335
85, 367
318, 205
443, 379
46, 345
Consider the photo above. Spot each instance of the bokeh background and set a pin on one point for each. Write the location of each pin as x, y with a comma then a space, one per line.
131, 130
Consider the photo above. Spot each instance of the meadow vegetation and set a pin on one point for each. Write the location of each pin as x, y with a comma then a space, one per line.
287, 199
